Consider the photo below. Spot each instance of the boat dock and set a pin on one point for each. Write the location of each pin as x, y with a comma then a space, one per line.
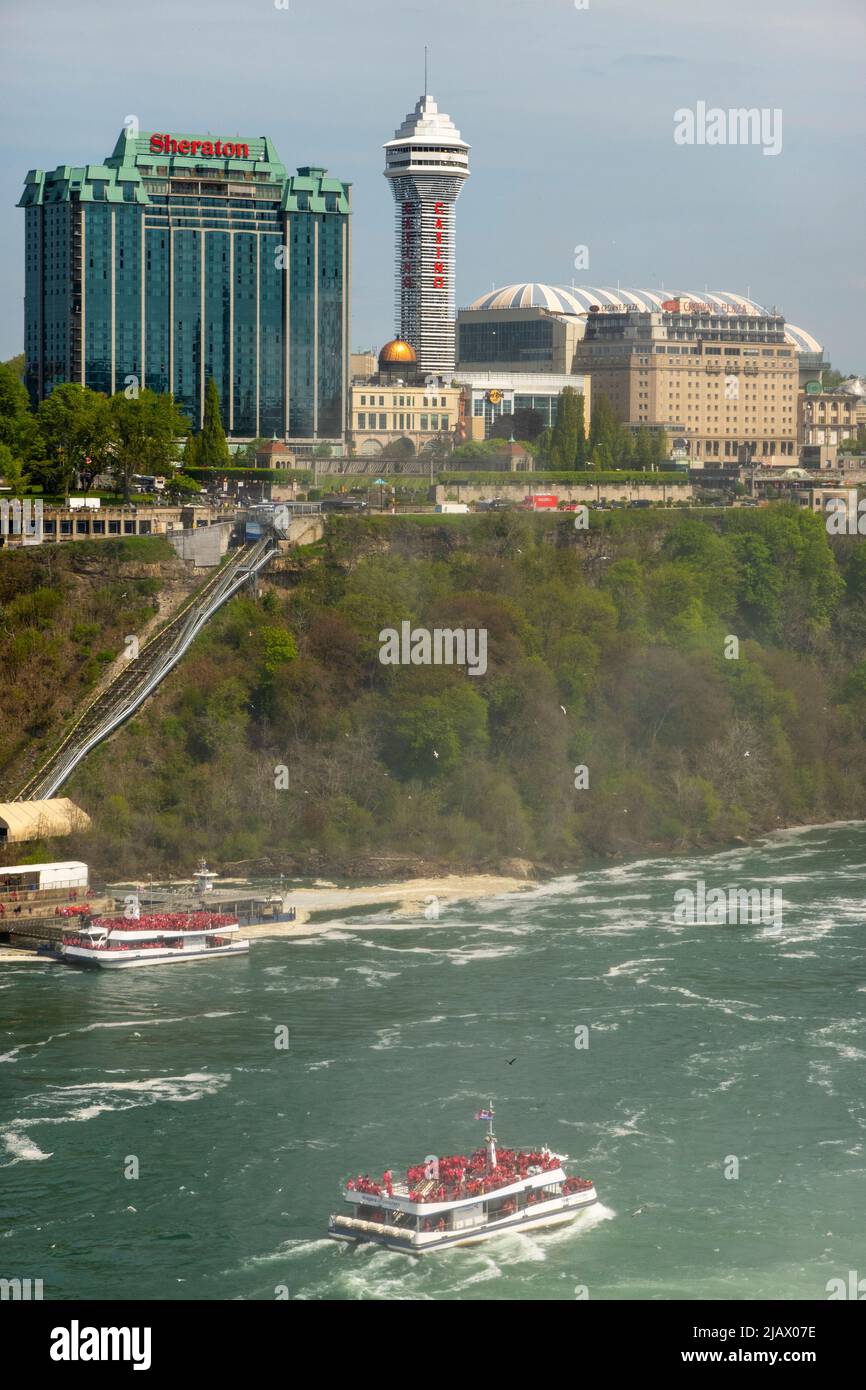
41, 903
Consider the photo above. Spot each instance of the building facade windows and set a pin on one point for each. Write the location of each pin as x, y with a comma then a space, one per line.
175, 280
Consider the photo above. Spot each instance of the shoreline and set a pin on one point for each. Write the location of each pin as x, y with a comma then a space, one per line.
412, 899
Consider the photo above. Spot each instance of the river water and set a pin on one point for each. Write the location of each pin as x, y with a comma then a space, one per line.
711, 1050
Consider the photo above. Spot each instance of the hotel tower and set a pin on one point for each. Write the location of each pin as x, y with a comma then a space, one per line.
426, 164
182, 258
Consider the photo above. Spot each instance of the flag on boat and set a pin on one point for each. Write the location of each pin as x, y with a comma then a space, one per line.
484, 1115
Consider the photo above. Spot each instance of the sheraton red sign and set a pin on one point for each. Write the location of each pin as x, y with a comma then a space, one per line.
208, 149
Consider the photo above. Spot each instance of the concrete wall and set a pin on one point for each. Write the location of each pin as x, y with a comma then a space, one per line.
581, 492
205, 546
305, 530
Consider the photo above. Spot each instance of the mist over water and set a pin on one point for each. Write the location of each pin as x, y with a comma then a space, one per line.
705, 1043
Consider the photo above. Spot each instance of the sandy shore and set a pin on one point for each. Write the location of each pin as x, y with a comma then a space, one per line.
412, 899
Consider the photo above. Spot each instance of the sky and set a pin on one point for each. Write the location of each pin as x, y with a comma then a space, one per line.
569, 111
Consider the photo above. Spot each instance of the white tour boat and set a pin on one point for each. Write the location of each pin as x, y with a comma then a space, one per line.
161, 938
459, 1201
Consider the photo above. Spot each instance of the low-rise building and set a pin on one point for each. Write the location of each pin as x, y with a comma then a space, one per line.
827, 418
491, 394
397, 404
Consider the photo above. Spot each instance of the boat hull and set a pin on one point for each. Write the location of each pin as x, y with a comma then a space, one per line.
448, 1240
131, 960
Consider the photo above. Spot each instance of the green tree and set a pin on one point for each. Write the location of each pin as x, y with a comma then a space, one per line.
190, 456
428, 736
605, 441
144, 434
582, 451
564, 436
644, 455
213, 451
18, 427
182, 487
18, 364
75, 425
660, 448
12, 472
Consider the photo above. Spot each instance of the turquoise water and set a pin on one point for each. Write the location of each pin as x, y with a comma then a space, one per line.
706, 1043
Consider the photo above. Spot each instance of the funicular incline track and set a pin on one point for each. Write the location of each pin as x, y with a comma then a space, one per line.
141, 676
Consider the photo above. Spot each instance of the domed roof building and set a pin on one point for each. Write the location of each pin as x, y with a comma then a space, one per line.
580, 300
397, 354
716, 370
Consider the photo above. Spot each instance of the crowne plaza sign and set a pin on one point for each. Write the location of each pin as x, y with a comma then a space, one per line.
208, 149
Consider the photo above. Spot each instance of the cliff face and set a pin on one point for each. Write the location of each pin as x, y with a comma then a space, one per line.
64, 613
614, 715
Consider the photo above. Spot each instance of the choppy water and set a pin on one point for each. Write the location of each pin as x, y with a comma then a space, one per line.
705, 1042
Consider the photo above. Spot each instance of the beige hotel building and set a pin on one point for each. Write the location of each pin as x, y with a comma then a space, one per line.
725, 383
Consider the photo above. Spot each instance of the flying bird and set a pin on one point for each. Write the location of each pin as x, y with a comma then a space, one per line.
513, 1060
435, 754
564, 710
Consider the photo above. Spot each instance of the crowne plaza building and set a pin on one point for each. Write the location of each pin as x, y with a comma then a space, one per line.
182, 258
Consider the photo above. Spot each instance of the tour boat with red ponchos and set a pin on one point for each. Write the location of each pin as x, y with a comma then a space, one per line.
457, 1200
157, 938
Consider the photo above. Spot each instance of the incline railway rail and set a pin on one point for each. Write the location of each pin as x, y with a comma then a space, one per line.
141, 676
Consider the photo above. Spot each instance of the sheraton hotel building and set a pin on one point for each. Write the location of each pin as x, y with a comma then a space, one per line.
182, 258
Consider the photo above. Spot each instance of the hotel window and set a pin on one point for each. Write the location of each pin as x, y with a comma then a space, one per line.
425, 422
444, 424
362, 421
434, 422
363, 400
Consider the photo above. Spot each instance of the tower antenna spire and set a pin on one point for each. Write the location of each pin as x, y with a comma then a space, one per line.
425, 69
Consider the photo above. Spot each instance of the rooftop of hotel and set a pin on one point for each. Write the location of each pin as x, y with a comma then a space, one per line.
579, 300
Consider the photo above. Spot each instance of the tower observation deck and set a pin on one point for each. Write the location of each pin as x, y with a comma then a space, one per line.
426, 164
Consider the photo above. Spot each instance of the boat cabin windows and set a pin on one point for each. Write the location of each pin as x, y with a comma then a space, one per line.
462, 1217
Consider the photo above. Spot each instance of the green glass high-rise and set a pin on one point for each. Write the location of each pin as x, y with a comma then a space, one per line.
183, 258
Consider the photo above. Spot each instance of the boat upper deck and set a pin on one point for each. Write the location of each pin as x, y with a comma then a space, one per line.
454, 1181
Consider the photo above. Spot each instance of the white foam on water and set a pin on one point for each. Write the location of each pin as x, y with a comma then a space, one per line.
630, 967
109, 1098
374, 979
466, 955
308, 983
117, 1023
289, 1250
21, 1149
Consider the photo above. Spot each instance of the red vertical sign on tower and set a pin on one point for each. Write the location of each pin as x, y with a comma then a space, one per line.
407, 257
439, 264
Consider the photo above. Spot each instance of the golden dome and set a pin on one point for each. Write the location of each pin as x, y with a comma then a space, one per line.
397, 353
